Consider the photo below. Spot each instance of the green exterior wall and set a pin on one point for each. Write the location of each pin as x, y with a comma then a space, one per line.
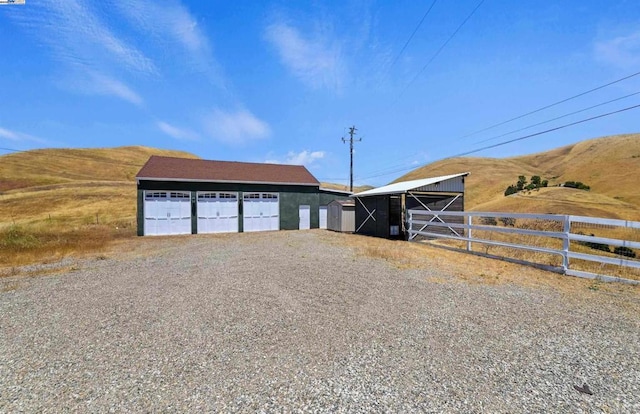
291, 197
140, 213
327, 196
194, 212
289, 209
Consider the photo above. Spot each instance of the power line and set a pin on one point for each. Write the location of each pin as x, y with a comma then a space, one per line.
392, 167
442, 47
556, 118
531, 112
390, 172
514, 140
549, 106
546, 131
412, 34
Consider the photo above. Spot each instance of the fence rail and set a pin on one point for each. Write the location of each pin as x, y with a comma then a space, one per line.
556, 241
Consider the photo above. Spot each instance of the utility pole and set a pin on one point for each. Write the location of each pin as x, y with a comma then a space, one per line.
352, 132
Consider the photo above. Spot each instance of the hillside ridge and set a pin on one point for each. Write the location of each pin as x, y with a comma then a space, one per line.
48, 166
606, 164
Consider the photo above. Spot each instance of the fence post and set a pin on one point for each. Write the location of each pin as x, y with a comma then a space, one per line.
410, 225
469, 232
566, 243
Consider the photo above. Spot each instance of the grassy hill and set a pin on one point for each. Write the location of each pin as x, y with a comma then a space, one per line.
341, 187
608, 165
58, 166
76, 186
55, 202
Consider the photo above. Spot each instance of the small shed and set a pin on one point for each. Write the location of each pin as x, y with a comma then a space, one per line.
342, 216
381, 212
326, 196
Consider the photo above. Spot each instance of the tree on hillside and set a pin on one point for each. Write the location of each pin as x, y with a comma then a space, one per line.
577, 184
536, 183
512, 189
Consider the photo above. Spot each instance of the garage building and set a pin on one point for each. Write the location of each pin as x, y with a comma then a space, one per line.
190, 196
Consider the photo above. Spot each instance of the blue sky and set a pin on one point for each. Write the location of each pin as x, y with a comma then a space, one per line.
282, 81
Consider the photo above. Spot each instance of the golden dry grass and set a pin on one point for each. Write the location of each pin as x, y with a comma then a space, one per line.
606, 164
55, 166
42, 243
56, 203
341, 187
560, 200
493, 234
73, 204
466, 267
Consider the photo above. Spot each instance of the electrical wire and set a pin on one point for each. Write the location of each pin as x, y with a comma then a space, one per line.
511, 140
546, 131
549, 106
441, 48
393, 167
556, 118
412, 34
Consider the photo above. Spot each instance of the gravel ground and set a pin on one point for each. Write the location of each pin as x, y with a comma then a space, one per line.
299, 322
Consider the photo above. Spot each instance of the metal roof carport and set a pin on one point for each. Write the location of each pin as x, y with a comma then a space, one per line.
380, 212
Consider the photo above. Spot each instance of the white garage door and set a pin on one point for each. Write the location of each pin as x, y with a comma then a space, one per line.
167, 212
217, 212
261, 212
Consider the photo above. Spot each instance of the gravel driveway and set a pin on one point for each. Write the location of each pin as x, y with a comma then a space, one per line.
298, 321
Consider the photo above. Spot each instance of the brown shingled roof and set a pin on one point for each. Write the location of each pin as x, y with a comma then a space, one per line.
184, 169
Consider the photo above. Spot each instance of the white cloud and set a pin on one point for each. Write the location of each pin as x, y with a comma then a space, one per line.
95, 83
10, 135
304, 157
165, 19
92, 56
622, 51
16, 136
173, 28
315, 61
109, 86
177, 133
79, 37
237, 127
298, 158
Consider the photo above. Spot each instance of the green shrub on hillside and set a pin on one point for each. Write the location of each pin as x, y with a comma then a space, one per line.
508, 221
624, 251
594, 245
489, 221
510, 190
577, 184
15, 237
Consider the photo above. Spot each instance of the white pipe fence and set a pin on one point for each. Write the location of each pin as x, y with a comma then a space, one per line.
556, 241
